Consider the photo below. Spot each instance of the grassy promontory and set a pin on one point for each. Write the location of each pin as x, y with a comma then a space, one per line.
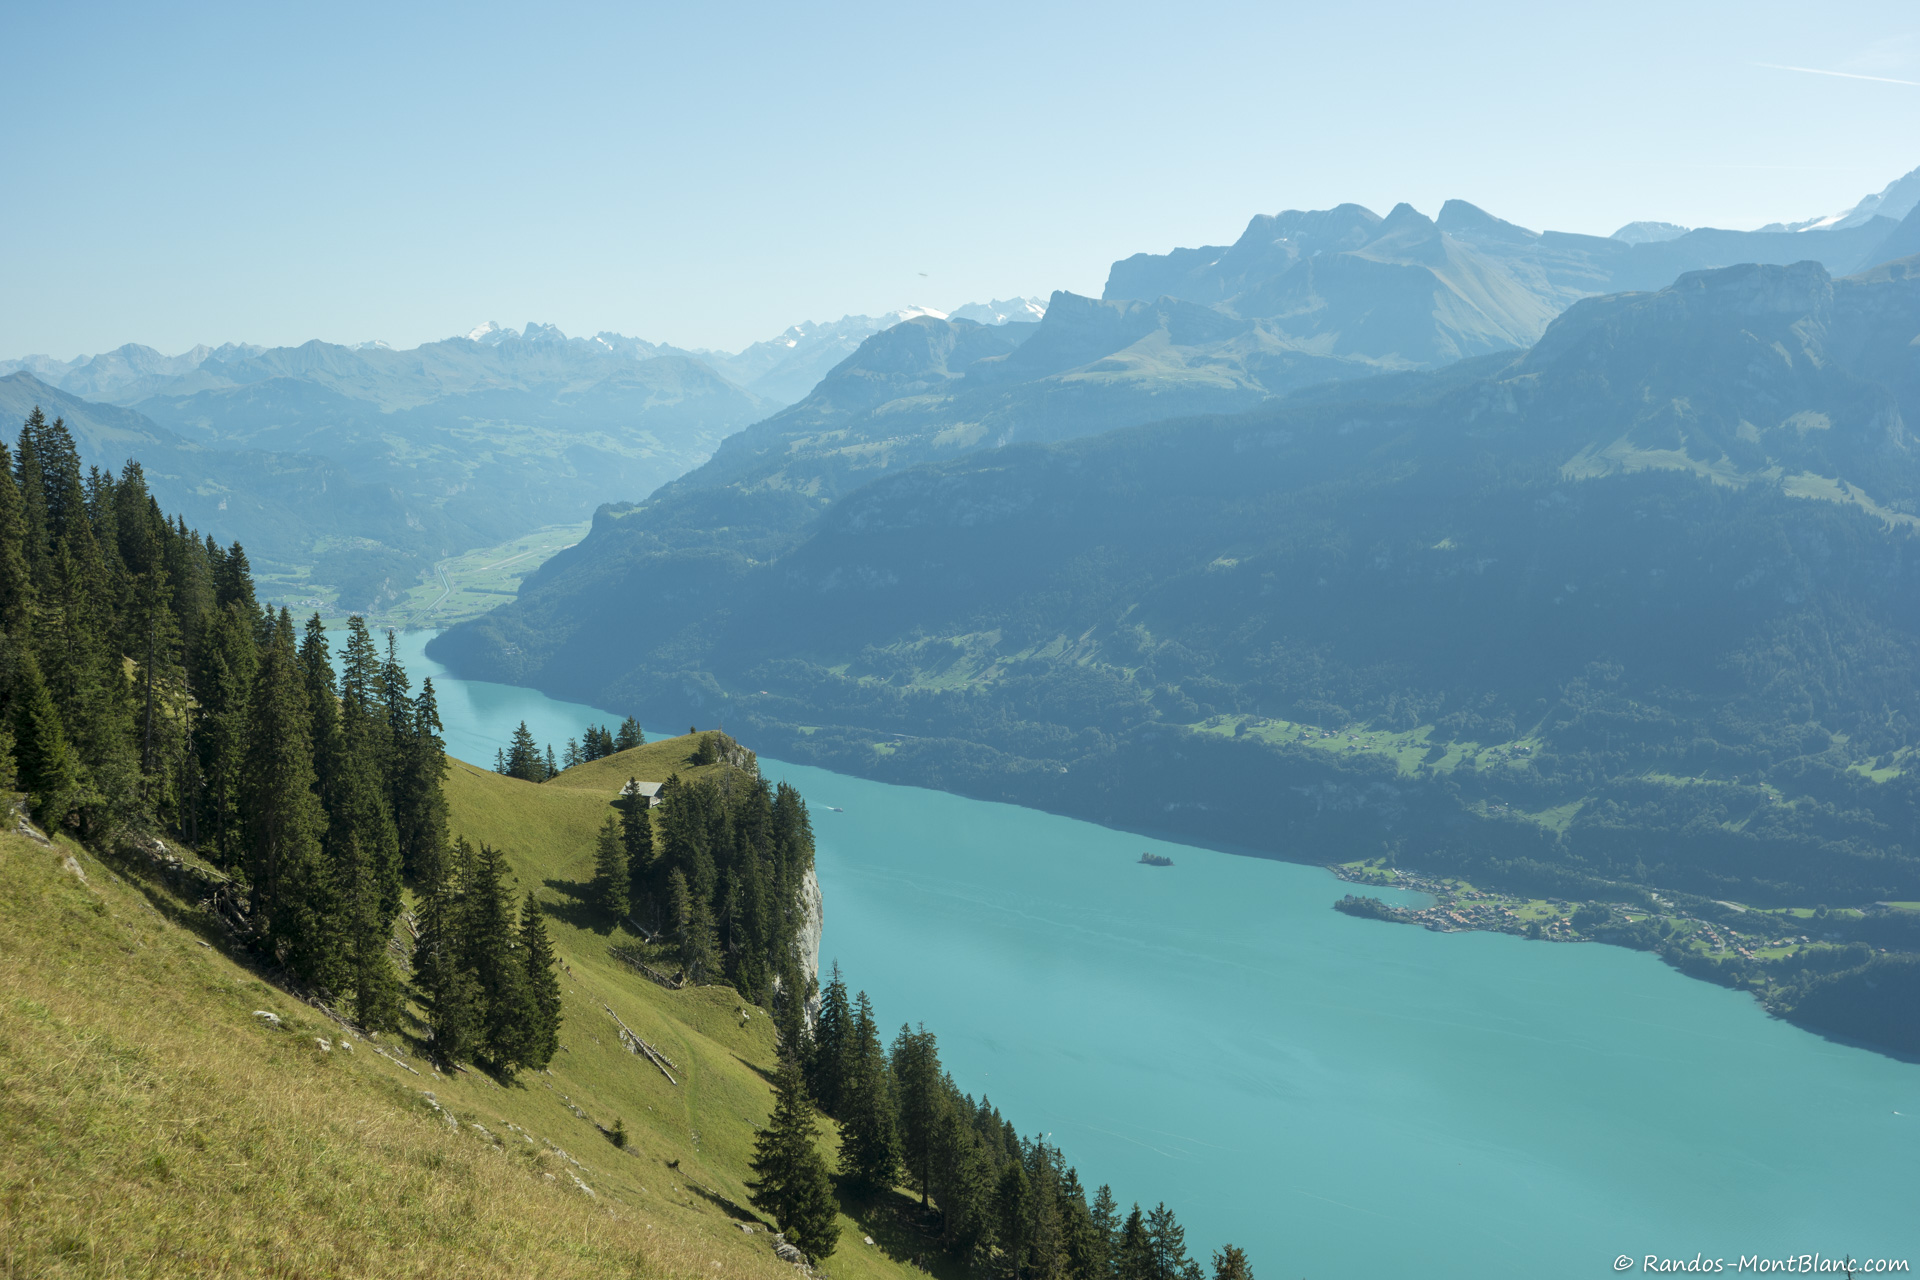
153, 1123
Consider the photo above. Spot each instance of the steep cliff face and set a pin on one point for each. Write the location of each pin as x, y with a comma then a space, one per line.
813, 912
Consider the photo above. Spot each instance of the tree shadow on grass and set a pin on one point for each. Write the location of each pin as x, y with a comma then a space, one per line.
577, 908
758, 1070
901, 1229
739, 1212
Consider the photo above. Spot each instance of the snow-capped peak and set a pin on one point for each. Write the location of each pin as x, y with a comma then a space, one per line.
1002, 311
1895, 200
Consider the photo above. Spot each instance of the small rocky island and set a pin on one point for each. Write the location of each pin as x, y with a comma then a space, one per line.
1155, 860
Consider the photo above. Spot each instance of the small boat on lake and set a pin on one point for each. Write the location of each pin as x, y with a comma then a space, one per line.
1155, 860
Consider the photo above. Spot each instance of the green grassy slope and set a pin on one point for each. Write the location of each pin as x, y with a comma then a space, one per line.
151, 1125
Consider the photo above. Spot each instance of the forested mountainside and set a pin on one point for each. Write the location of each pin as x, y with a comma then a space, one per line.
1634, 608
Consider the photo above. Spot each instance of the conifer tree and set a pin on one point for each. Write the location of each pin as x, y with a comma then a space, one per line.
47, 769
611, 885
1166, 1245
1133, 1251
397, 704
1105, 1218
869, 1142
282, 819
449, 983
917, 1087
233, 581
963, 1174
508, 1014
679, 913
223, 687
420, 769
156, 634
543, 987
629, 736
1012, 1207
790, 1181
832, 1046
37, 545
523, 757
1230, 1263
791, 1015
691, 921
16, 582
700, 947
636, 833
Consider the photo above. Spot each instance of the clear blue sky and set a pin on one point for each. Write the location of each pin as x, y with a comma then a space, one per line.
710, 174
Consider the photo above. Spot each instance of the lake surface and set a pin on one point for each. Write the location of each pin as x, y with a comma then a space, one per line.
1338, 1096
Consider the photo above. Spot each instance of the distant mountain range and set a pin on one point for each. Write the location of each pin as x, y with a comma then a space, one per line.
1299, 299
450, 445
489, 434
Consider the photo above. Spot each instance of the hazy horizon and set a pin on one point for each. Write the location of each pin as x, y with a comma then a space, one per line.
707, 180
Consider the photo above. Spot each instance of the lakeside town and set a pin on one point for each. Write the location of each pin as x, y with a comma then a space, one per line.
1718, 933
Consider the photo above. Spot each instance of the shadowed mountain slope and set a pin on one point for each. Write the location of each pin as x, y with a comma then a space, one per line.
1637, 606
284, 507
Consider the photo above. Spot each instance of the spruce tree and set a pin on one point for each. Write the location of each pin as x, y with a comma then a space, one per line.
282, 819
523, 757
869, 1142
36, 545
448, 983
636, 833
16, 582
678, 909
699, 941
963, 1174
611, 886
48, 771
1166, 1245
790, 1181
917, 1086
509, 1017
1230, 1263
1012, 1209
690, 924
543, 986
420, 769
630, 735
1105, 1215
223, 686
233, 581
832, 1045
1133, 1251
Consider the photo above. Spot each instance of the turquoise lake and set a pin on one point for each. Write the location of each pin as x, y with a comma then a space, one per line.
1338, 1096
